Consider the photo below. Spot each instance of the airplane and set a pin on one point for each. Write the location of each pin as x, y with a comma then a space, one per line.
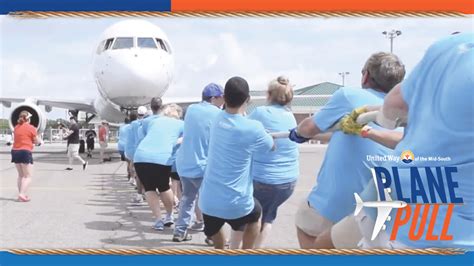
383, 208
133, 62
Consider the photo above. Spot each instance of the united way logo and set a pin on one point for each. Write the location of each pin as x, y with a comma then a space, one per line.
407, 156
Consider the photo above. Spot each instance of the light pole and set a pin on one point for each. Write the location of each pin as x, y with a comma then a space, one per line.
343, 75
392, 35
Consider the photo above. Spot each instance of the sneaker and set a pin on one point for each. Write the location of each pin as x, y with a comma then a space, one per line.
84, 165
132, 181
159, 226
69, 169
209, 241
138, 199
182, 237
168, 221
197, 226
22, 198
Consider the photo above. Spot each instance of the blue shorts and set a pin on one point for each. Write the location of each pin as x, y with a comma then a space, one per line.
271, 197
22, 156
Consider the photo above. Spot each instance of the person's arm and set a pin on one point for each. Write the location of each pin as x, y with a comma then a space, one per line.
387, 138
394, 111
307, 128
264, 142
323, 137
335, 109
68, 133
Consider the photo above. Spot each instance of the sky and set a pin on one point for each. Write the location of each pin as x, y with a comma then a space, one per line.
53, 57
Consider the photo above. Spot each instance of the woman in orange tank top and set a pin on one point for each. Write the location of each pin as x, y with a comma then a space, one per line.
25, 137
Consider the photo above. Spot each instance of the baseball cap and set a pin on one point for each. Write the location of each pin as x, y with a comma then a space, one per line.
213, 90
142, 110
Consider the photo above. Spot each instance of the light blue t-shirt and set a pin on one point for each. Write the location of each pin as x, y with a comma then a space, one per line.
345, 168
440, 98
132, 139
144, 126
281, 165
227, 191
123, 135
191, 159
173, 158
161, 137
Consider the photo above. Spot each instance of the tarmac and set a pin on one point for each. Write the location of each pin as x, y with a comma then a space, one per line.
93, 209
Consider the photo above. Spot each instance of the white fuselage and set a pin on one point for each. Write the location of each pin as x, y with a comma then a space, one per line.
392, 204
133, 63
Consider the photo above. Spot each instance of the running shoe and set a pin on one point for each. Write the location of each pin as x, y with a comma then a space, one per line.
209, 241
197, 226
69, 169
182, 237
138, 199
168, 221
159, 226
84, 165
22, 198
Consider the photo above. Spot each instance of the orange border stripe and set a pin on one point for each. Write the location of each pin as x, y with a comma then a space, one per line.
462, 6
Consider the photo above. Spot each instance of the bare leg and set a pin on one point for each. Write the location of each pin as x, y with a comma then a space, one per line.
153, 201
26, 180
176, 187
250, 235
20, 176
197, 211
219, 239
266, 228
324, 240
167, 199
235, 239
102, 149
306, 241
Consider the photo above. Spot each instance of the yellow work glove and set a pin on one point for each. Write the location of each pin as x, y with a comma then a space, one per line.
349, 123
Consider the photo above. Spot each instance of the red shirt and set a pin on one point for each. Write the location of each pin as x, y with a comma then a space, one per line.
102, 133
24, 137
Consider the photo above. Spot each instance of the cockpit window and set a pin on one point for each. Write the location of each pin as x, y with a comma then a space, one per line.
108, 43
123, 43
161, 44
146, 43
168, 47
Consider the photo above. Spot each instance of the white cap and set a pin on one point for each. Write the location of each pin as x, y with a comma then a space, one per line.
142, 110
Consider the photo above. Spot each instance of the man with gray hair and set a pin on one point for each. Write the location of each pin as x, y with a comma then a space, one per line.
345, 167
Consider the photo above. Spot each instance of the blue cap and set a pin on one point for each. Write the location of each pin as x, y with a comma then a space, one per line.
213, 90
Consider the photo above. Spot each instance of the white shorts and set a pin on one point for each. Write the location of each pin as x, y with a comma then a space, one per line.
346, 233
366, 227
73, 150
310, 221
103, 144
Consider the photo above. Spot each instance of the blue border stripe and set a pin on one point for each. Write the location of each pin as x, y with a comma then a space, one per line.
8, 259
7, 6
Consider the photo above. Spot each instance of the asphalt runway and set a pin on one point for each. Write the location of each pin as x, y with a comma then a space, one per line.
93, 209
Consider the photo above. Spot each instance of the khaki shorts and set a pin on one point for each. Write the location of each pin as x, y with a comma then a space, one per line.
73, 150
310, 221
346, 233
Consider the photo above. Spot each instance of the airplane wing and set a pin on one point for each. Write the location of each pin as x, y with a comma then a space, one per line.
85, 105
382, 214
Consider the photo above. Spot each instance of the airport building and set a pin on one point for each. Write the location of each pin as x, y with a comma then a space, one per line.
316, 96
